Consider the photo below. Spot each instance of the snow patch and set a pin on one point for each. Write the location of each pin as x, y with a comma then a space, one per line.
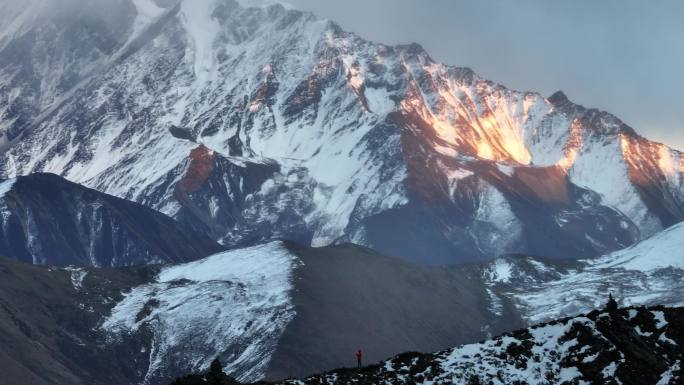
238, 298
659, 317
499, 271
6, 186
77, 276
668, 377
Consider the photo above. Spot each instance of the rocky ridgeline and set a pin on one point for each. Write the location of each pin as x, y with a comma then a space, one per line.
611, 346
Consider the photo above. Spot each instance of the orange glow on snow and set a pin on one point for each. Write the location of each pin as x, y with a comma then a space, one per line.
569, 160
572, 147
506, 137
485, 151
667, 161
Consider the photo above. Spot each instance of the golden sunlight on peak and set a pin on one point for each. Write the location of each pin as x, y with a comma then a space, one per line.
485, 151
507, 138
572, 147
517, 150
569, 160
667, 160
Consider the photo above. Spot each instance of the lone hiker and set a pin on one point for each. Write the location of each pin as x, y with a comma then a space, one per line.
359, 357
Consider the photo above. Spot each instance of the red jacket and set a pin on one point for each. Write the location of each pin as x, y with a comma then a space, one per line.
359, 355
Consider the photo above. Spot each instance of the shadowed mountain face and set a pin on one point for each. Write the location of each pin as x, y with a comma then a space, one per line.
47, 321
279, 310
378, 304
259, 123
269, 311
50, 221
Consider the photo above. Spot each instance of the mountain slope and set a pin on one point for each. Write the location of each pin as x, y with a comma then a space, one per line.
47, 220
46, 324
269, 311
339, 139
649, 273
347, 297
629, 346
279, 310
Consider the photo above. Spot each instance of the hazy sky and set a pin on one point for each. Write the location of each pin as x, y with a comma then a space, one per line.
623, 56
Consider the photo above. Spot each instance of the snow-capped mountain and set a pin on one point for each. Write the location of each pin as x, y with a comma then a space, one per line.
255, 123
649, 273
47, 220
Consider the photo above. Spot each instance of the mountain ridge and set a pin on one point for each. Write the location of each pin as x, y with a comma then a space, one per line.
282, 310
630, 346
374, 144
47, 220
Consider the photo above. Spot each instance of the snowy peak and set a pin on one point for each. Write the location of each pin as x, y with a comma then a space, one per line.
360, 138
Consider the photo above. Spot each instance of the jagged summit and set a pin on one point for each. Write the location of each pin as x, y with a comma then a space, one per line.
377, 145
558, 98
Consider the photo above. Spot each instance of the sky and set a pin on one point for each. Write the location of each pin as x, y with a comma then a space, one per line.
622, 56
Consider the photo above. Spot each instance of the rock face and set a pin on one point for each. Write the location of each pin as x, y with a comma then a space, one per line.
258, 123
47, 220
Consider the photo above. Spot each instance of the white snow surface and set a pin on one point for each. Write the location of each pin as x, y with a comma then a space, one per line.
601, 167
500, 270
6, 186
296, 89
77, 276
648, 273
238, 303
669, 376
662, 251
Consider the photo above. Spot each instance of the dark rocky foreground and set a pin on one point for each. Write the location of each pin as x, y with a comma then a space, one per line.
636, 346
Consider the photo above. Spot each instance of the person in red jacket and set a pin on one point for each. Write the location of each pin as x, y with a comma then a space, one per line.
359, 357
